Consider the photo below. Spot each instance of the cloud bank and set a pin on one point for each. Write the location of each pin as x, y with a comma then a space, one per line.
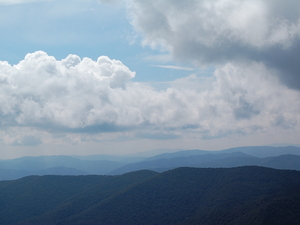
75, 95
253, 47
210, 32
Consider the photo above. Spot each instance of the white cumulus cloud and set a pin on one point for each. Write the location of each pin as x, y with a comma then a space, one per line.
41, 90
75, 95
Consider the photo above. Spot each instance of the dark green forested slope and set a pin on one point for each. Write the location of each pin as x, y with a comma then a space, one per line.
33, 196
242, 195
201, 196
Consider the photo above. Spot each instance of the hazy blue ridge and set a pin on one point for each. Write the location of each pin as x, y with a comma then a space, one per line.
169, 163
114, 158
282, 162
265, 151
9, 174
185, 153
46, 162
221, 160
274, 157
257, 151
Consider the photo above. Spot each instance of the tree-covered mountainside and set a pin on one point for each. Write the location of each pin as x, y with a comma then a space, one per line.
242, 195
37, 195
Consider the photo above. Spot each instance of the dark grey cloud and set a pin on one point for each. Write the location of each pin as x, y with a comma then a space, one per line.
286, 62
210, 32
282, 121
244, 110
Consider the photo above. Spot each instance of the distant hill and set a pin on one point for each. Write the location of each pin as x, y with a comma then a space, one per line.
178, 154
282, 162
112, 158
241, 195
257, 151
36, 165
162, 163
9, 174
274, 157
61, 170
220, 160
265, 151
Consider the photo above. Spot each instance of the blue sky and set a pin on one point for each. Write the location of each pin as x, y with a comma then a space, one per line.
85, 28
117, 77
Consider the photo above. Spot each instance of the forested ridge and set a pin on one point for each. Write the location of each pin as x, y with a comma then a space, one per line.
242, 195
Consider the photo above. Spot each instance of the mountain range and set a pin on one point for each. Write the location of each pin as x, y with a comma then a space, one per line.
273, 157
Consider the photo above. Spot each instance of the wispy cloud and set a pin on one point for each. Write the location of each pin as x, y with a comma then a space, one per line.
174, 67
159, 58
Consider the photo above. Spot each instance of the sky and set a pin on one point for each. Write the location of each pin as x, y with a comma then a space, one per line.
81, 77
